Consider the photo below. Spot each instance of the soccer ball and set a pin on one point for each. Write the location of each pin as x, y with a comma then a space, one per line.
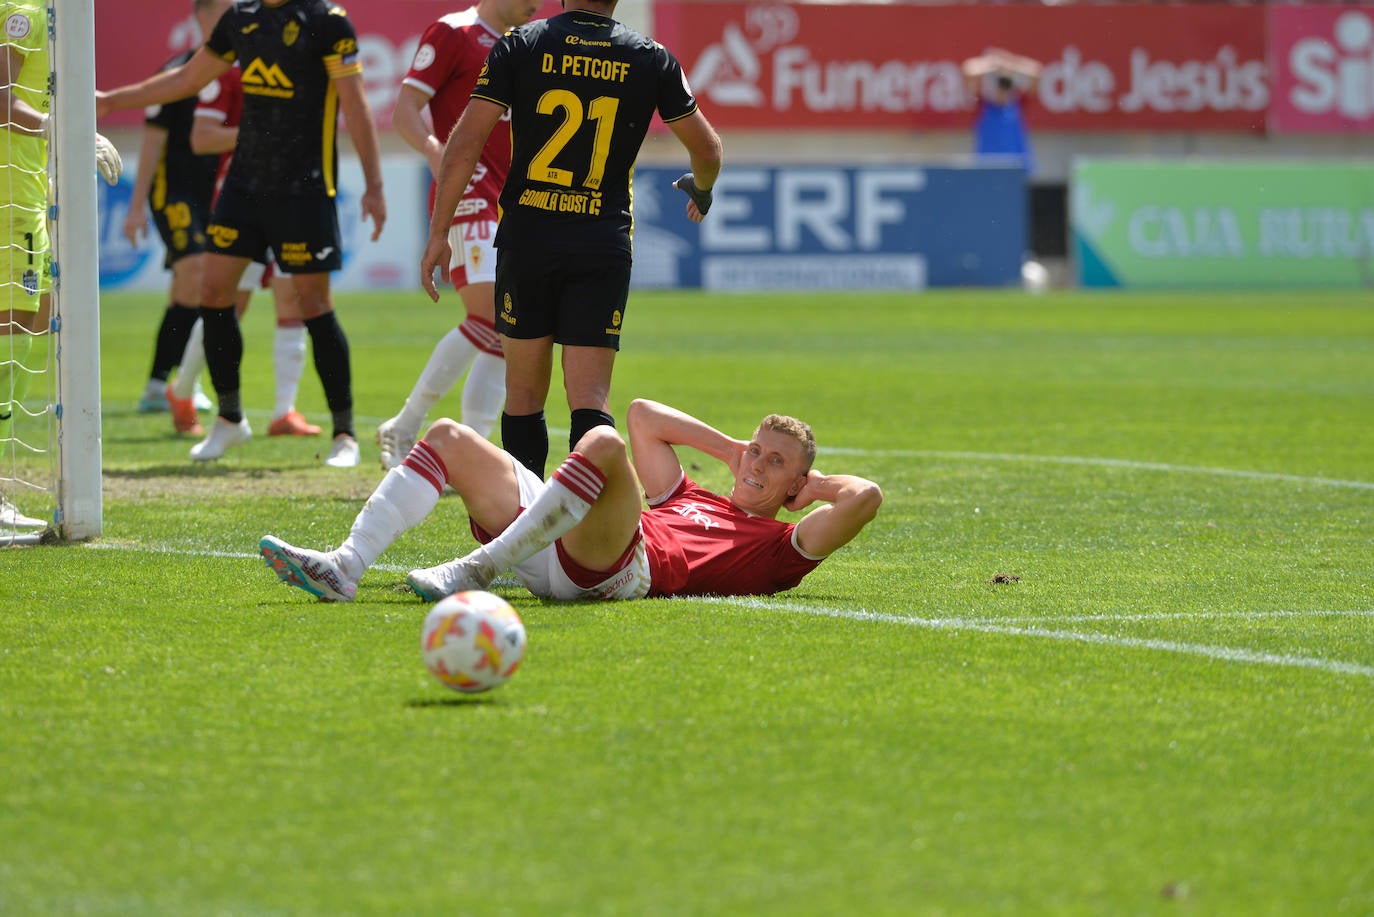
472, 641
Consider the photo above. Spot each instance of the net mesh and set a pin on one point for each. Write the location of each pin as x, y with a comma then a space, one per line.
28, 464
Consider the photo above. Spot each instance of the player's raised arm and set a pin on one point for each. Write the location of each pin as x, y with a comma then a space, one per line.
358, 119
655, 428
851, 503
461, 152
166, 86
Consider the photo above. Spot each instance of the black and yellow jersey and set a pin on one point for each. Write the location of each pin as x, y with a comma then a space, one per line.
289, 54
581, 89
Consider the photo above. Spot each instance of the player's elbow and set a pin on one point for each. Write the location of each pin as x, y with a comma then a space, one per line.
865, 501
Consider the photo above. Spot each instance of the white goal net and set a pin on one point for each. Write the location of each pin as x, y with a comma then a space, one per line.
50, 446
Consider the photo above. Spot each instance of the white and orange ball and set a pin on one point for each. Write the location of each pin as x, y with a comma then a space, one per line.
472, 641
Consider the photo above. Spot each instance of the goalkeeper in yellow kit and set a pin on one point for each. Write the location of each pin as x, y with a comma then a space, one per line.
25, 269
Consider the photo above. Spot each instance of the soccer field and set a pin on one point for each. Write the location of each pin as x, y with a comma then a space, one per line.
1107, 649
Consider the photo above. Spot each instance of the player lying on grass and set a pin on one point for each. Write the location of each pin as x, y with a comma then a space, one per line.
586, 534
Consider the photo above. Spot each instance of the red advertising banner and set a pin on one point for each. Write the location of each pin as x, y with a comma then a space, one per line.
1323, 59
1183, 67
133, 38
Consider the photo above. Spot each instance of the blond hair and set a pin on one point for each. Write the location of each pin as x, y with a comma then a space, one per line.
796, 429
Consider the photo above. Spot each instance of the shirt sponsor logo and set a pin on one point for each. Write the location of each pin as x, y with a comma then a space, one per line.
267, 80
696, 513
561, 201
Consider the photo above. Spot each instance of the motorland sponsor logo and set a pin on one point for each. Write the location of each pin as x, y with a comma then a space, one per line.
762, 60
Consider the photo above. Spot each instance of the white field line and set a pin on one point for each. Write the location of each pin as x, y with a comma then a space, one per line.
1034, 628
1105, 463
1223, 653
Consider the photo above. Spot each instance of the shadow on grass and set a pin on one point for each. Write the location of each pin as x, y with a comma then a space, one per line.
180, 470
473, 700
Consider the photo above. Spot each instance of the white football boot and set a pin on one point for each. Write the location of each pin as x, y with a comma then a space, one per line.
344, 453
224, 435
12, 518
314, 571
394, 442
461, 575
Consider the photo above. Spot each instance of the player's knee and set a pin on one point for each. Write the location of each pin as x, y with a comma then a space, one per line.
603, 446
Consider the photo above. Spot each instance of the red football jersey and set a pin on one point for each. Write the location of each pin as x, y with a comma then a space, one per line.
222, 99
451, 54
699, 543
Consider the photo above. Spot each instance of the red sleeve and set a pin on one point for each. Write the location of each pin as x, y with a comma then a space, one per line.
439, 53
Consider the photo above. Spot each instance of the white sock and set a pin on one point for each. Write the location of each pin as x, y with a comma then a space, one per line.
484, 393
288, 363
192, 363
451, 358
563, 503
407, 494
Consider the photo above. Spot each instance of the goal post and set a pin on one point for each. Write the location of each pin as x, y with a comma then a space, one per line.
75, 328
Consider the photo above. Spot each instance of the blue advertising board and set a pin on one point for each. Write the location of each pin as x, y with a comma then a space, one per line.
834, 227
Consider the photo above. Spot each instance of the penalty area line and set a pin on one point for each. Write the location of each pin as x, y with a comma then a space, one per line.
1220, 653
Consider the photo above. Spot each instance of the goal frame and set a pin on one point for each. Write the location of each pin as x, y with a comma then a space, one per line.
75, 324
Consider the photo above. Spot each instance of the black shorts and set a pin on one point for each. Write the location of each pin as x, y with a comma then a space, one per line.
302, 230
180, 222
579, 299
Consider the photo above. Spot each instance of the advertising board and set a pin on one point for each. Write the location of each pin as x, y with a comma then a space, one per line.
834, 227
1222, 224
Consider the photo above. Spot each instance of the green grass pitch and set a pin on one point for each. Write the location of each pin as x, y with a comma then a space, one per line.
1166, 707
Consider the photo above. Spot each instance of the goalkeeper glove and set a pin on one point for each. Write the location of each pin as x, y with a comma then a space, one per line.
107, 160
688, 184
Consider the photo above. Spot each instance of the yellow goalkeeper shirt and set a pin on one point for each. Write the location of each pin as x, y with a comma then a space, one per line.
24, 157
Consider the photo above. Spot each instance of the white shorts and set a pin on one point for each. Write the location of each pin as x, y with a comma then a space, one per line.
549, 573
474, 252
252, 276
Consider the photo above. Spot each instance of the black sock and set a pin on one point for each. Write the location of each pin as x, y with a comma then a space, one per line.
172, 335
527, 438
329, 346
583, 419
223, 354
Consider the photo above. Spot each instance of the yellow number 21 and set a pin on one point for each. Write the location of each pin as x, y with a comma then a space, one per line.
603, 109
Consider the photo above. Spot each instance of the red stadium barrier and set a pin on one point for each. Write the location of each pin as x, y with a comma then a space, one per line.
766, 65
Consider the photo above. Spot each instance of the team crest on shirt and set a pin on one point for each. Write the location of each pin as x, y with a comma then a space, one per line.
30, 281
424, 56
290, 33
17, 26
